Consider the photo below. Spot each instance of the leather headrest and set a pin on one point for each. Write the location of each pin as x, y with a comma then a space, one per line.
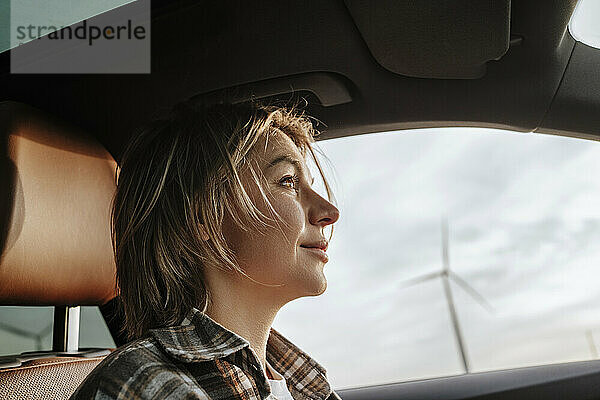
56, 188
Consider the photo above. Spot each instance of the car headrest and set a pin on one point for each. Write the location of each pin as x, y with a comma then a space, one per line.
56, 188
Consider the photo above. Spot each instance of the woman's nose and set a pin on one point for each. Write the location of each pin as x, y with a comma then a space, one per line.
322, 212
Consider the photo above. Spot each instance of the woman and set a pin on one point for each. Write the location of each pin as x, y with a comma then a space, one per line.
215, 228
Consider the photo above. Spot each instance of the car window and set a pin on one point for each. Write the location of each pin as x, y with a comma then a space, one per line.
30, 329
584, 22
523, 243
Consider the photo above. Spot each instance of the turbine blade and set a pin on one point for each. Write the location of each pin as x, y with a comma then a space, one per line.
15, 330
467, 288
419, 279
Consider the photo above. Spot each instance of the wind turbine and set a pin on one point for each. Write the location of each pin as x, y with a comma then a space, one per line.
446, 274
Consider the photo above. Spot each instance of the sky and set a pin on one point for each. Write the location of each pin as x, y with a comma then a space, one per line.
584, 22
524, 231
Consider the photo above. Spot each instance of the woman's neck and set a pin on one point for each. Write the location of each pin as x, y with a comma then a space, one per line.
250, 317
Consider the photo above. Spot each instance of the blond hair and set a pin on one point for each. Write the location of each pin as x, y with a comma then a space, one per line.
178, 177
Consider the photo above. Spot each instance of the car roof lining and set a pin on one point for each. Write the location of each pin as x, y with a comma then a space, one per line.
202, 48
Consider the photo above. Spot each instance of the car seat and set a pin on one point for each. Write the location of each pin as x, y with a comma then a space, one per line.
56, 188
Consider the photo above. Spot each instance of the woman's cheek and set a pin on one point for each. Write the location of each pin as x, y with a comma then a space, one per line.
292, 213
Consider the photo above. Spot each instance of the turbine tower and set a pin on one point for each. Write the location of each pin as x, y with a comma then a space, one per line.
446, 274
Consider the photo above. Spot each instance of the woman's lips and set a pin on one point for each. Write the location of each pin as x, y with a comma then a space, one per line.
318, 252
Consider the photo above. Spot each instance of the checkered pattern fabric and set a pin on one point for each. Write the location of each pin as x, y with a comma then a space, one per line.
200, 359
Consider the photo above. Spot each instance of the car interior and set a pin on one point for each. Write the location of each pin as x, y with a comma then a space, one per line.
357, 66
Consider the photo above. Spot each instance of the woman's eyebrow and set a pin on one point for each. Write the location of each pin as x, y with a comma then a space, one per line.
292, 160
286, 158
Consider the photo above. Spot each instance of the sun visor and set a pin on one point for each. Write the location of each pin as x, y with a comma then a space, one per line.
434, 38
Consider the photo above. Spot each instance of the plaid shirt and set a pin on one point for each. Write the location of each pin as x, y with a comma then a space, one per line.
200, 359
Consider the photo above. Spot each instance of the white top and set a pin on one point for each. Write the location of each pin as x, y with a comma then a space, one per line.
278, 386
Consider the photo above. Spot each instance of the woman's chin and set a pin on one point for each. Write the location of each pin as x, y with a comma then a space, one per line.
312, 283
319, 287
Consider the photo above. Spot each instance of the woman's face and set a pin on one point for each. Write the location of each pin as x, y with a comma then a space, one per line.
293, 254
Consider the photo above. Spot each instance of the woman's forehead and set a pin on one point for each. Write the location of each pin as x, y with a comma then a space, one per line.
276, 145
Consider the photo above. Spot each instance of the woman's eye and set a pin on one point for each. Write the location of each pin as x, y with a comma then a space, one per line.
289, 181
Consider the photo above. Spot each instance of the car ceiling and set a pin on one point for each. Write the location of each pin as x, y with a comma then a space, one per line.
354, 78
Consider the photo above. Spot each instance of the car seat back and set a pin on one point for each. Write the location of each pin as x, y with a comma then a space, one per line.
47, 377
56, 188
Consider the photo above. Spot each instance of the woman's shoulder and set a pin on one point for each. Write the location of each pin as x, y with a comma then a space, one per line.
132, 355
129, 371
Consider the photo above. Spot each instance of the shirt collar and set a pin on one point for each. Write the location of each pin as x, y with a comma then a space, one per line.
200, 338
